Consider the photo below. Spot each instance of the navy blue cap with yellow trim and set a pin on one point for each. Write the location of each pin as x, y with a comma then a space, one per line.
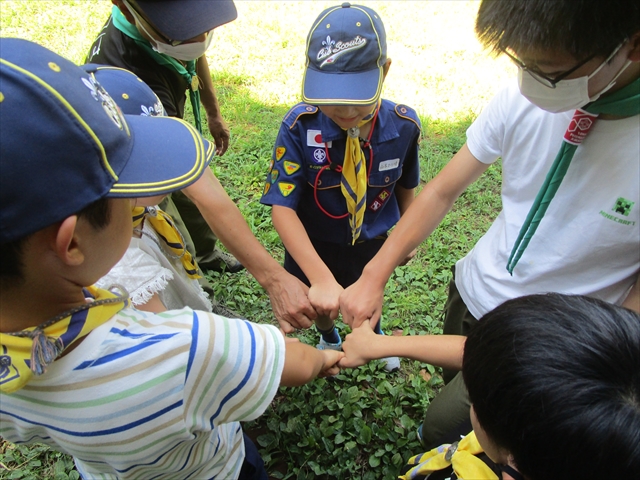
65, 144
185, 19
131, 94
346, 52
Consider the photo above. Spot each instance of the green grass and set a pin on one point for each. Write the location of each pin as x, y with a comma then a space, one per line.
362, 423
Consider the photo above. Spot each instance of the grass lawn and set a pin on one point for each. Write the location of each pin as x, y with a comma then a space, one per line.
361, 424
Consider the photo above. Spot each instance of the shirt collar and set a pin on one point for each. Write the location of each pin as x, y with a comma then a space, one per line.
385, 128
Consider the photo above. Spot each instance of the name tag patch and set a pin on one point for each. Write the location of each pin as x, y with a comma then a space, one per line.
389, 164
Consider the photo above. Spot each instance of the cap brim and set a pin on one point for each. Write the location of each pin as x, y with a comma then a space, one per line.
185, 19
168, 154
361, 88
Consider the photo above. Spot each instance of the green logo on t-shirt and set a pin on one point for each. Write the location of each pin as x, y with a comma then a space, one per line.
623, 206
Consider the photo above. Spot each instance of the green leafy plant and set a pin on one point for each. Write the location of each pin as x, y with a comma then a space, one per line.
35, 462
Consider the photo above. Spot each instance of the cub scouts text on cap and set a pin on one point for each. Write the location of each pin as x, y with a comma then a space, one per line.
346, 53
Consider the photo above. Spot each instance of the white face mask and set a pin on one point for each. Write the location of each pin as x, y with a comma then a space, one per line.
568, 94
183, 51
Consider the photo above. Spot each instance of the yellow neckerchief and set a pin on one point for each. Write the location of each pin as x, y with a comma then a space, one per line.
354, 178
460, 455
28, 352
163, 225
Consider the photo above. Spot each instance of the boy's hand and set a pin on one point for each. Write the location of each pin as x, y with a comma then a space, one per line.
331, 360
359, 346
361, 301
325, 298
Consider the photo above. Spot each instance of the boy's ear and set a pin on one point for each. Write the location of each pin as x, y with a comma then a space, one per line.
634, 55
385, 68
66, 243
125, 11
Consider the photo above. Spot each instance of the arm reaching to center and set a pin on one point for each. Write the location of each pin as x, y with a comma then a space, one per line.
324, 293
363, 345
303, 363
288, 295
363, 299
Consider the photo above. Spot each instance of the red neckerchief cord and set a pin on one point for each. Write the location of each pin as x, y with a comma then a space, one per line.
338, 168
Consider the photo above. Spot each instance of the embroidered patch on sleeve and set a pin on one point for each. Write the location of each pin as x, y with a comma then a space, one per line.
267, 187
271, 165
314, 139
274, 175
379, 201
286, 188
291, 167
280, 151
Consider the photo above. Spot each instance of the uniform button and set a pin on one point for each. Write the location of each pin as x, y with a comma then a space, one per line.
319, 182
386, 179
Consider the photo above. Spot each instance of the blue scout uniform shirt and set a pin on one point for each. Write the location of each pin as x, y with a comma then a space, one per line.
299, 155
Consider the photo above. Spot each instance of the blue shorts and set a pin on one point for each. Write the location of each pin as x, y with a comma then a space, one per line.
253, 466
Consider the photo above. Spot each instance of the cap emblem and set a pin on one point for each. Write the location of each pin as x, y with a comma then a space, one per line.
108, 104
333, 50
156, 110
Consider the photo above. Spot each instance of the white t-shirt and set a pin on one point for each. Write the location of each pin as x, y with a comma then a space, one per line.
146, 269
588, 242
152, 396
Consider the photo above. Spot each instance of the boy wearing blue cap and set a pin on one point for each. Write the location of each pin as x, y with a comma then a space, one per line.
157, 270
164, 43
345, 164
127, 393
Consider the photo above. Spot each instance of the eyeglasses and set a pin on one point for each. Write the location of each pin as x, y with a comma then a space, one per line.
541, 77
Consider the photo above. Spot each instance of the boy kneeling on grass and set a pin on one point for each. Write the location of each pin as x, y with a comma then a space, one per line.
127, 393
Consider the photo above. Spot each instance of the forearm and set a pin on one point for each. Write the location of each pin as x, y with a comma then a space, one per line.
441, 350
226, 221
405, 197
424, 215
632, 302
207, 91
295, 239
302, 364
418, 222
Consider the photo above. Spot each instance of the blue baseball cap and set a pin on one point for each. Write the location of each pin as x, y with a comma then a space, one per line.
184, 19
131, 94
346, 53
65, 144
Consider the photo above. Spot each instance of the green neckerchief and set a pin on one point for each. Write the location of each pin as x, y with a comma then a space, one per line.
624, 103
188, 70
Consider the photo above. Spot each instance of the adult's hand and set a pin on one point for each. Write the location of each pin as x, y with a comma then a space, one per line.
361, 301
220, 133
290, 303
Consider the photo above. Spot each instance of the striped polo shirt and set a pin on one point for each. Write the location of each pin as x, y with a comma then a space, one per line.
152, 396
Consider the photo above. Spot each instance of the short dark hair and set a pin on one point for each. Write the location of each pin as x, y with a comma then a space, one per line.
98, 214
555, 380
579, 27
